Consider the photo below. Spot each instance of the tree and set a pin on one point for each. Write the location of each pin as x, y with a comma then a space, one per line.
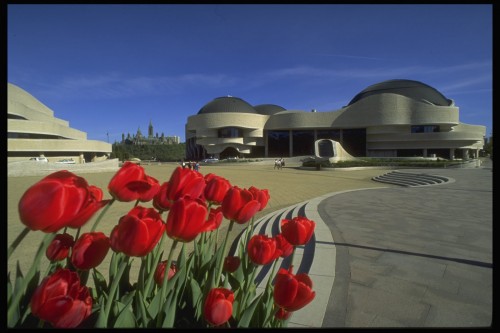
165, 153
488, 146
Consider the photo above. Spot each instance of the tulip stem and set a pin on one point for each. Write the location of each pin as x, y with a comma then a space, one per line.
151, 271
99, 218
222, 256
49, 268
159, 319
17, 241
291, 258
249, 233
216, 239
250, 282
114, 287
268, 285
77, 233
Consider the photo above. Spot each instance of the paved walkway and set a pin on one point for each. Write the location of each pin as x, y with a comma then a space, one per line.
399, 256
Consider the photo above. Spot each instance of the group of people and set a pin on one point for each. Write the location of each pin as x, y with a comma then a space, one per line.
191, 165
279, 163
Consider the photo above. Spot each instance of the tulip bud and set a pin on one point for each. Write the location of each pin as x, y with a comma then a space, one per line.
59, 248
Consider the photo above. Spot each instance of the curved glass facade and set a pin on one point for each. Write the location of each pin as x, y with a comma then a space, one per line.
230, 132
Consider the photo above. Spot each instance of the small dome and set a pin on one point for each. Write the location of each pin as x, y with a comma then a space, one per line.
412, 89
268, 109
227, 104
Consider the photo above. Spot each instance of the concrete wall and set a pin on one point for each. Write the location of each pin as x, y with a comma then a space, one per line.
32, 168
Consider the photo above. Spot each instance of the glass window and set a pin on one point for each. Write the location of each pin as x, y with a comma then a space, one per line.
303, 143
230, 132
278, 143
425, 128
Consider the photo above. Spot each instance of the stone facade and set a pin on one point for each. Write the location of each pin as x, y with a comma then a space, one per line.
33, 130
395, 118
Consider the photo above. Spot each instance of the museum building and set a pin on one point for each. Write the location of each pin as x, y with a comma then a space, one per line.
395, 118
33, 131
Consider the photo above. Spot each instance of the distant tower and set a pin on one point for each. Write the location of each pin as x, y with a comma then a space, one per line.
150, 130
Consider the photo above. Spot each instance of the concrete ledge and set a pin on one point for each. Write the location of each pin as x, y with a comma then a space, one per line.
31, 168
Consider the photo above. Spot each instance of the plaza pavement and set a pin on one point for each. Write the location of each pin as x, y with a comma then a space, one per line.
382, 256
402, 257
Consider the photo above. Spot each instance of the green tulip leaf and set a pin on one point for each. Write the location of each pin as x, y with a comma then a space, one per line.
126, 317
102, 319
247, 315
181, 258
171, 302
234, 282
196, 293
154, 306
19, 273
99, 282
10, 288
128, 298
113, 266
141, 306
19, 281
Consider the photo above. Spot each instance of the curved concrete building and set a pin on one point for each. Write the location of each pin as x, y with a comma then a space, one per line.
395, 118
33, 131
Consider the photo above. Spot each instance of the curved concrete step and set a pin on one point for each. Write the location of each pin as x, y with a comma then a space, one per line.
410, 179
270, 225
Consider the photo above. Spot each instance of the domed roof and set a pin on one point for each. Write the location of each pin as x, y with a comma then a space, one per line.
412, 89
227, 104
268, 109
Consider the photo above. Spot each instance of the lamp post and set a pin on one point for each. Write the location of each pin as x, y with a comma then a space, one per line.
107, 134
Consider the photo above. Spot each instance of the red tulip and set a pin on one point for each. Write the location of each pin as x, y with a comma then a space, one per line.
61, 300
262, 196
62, 199
214, 218
59, 248
262, 249
218, 306
231, 264
160, 200
282, 314
185, 182
298, 230
282, 244
89, 250
216, 188
160, 272
239, 205
138, 232
186, 219
148, 195
131, 183
292, 292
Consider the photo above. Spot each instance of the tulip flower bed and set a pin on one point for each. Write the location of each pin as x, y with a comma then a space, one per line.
206, 287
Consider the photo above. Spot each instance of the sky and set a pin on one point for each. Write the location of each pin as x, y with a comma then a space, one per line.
113, 69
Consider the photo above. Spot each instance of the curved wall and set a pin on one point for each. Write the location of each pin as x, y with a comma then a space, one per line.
33, 130
385, 119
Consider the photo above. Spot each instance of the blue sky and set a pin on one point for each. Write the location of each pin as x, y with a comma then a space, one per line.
111, 69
